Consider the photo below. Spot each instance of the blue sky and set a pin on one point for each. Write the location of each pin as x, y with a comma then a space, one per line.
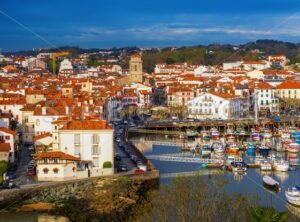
108, 23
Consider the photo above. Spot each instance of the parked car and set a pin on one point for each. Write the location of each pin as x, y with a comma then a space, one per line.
10, 175
142, 167
118, 157
139, 171
31, 172
9, 184
122, 168
31, 148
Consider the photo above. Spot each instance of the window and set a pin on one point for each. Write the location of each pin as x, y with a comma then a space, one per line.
67, 91
45, 170
7, 137
77, 138
55, 170
267, 102
95, 150
262, 102
95, 139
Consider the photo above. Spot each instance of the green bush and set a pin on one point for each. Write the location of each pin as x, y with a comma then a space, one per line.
3, 166
107, 164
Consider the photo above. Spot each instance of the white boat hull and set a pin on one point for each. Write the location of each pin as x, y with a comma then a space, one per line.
292, 199
281, 168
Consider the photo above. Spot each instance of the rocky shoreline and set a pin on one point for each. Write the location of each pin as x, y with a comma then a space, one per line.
105, 199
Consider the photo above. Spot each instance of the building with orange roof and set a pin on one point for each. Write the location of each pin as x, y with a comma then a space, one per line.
288, 90
10, 137
56, 166
89, 140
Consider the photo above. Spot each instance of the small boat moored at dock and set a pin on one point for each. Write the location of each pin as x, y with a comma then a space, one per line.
265, 166
238, 166
293, 148
281, 165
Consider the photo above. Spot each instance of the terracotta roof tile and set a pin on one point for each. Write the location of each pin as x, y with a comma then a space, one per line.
55, 155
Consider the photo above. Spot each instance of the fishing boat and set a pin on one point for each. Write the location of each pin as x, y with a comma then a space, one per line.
285, 135
270, 183
215, 133
232, 148
230, 159
293, 148
265, 165
264, 150
205, 150
293, 196
218, 147
281, 165
259, 159
255, 136
238, 166
230, 135
191, 133
240, 132
285, 144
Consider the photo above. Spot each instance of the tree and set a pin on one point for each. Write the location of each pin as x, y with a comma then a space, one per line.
200, 198
3, 168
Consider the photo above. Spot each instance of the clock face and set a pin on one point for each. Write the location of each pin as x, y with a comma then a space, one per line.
37, 122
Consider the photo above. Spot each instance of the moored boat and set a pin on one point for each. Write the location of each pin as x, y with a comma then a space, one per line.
215, 133
293, 148
293, 196
255, 136
191, 133
205, 150
265, 166
270, 183
238, 166
281, 165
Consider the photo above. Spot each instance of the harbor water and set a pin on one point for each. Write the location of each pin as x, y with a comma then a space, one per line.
250, 183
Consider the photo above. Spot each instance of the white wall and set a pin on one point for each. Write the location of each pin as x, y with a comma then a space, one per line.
66, 140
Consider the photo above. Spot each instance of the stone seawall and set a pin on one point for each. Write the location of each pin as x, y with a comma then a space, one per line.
55, 192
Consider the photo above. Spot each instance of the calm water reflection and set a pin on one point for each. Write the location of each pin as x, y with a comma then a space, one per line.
249, 184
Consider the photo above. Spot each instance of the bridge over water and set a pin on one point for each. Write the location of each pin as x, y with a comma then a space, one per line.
185, 159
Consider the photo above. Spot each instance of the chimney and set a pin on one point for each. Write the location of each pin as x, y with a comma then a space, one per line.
44, 110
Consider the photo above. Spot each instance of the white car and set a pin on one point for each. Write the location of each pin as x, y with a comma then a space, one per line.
31, 148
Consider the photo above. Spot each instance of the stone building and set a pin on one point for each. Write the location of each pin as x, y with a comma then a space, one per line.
135, 71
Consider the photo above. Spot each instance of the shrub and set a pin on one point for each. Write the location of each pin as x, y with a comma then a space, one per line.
107, 164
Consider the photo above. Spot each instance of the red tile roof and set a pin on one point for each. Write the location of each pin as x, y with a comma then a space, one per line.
264, 85
289, 85
42, 136
3, 129
86, 125
55, 155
